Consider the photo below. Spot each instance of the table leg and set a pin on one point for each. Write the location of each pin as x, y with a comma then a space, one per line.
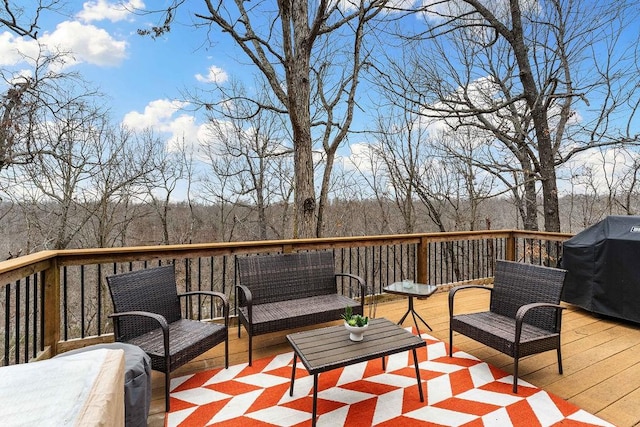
315, 400
408, 311
293, 373
415, 362
414, 313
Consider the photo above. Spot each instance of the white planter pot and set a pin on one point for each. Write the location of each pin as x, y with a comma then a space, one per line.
356, 333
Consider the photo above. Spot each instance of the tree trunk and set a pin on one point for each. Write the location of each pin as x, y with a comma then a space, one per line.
297, 59
540, 121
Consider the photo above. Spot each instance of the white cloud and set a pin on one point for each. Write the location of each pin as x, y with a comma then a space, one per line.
86, 43
597, 169
15, 50
163, 116
361, 158
102, 9
215, 75
157, 114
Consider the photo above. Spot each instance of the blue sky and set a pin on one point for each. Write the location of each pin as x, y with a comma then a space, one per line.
139, 76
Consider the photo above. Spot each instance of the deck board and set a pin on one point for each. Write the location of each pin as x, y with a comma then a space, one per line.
601, 357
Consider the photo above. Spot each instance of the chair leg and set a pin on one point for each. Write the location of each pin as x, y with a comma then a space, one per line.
226, 352
559, 361
167, 384
239, 327
250, 348
515, 374
450, 342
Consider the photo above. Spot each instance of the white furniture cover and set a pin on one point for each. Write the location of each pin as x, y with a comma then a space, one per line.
85, 389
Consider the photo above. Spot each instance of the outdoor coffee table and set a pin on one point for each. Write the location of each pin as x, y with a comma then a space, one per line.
411, 290
324, 349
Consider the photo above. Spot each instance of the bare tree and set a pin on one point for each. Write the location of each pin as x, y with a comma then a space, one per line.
121, 164
400, 143
629, 193
532, 77
33, 96
430, 166
169, 169
75, 192
605, 183
22, 18
249, 156
311, 54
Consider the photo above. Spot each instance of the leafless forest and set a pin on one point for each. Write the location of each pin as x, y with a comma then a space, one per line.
32, 230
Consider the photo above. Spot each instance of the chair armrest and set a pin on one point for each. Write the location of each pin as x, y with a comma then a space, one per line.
453, 291
157, 317
522, 312
361, 283
248, 300
220, 295
213, 294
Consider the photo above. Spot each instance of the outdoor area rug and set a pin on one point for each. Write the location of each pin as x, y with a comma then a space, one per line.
460, 391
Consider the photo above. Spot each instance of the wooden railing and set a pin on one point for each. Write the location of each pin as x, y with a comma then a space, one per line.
53, 301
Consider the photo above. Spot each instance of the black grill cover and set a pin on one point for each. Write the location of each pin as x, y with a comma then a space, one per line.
603, 268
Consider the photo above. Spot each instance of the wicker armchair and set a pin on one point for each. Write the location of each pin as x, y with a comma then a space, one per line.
147, 313
524, 317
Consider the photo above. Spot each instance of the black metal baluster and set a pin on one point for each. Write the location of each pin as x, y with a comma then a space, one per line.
99, 290
199, 288
17, 326
36, 316
82, 299
387, 270
7, 319
415, 263
212, 308
27, 296
441, 280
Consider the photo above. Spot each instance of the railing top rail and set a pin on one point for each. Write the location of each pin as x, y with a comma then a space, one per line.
17, 268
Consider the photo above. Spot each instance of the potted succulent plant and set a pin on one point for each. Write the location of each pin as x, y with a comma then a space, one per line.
355, 324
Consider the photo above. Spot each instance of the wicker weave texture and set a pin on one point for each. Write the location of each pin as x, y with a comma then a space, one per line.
285, 277
517, 284
282, 315
499, 332
147, 313
182, 336
524, 317
286, 291
152, 290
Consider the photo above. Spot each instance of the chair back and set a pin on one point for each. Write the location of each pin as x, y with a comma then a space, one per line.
283, 277
516, 284
152, 290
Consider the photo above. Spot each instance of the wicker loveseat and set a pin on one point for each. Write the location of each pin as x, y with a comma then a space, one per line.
286, 291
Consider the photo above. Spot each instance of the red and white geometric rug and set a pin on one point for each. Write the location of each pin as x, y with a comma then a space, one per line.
460, 391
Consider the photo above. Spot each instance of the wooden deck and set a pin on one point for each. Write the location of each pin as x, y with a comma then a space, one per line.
601, 357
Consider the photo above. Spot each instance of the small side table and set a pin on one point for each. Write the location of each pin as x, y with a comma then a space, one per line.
411, 290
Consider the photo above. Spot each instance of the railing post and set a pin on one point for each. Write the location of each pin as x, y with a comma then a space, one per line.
52, 308
423, 262
510, 253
